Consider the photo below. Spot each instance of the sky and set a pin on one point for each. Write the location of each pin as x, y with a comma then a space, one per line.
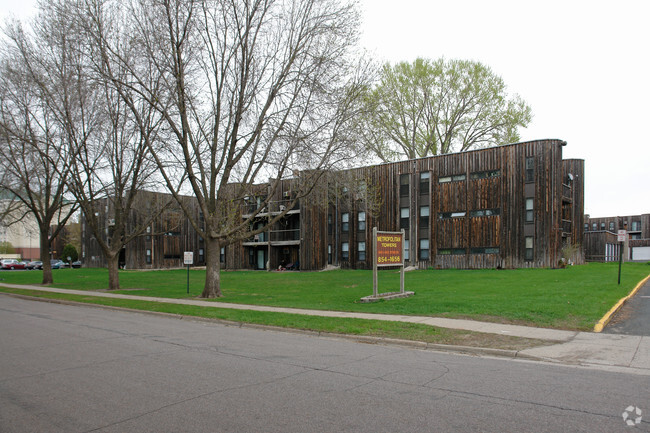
582, 66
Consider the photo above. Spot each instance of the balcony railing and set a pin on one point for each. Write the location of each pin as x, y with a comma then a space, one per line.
285, 235
274, 207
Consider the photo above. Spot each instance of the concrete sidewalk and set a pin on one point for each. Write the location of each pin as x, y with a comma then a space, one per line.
582, 348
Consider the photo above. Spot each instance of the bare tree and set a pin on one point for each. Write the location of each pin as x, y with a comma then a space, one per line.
252, 92
113, 166
33, 79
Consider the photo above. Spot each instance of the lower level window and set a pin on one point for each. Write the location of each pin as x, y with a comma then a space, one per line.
424, 249
148, 257
451, 251
529, 248
361, 251
485, 250
345, 251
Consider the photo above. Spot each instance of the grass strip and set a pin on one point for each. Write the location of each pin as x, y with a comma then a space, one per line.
348, 326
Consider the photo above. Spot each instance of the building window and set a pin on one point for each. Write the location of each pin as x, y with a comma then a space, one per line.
445, 215
345, 222
148, 257
201, 255
611, 226
635, 236
454, 178
586, 227
484, 212
329, 224
485, 174
602, 226
636, 226
424, 249
529, 248
361, 249
406, 250
530, 169
345, 251
404, 185
594, 226
451, 251
222, 255
424, 217
361, 217
530, 212
329, 254
404, 218
424, 182
485, 250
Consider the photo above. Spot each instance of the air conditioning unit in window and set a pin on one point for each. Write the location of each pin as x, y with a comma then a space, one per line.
282, 208
111, 222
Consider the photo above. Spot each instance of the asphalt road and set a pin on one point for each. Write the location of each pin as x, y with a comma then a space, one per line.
82, 369
634, 317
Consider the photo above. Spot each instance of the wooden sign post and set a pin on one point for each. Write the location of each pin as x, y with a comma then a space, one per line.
388, 250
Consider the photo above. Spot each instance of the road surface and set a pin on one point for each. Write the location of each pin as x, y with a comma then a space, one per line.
82, 369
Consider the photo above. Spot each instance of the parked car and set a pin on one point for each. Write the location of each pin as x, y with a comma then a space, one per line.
36, 264
76, 265
56, 264
12, 264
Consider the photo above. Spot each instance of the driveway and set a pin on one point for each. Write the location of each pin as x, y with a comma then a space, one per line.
634, 317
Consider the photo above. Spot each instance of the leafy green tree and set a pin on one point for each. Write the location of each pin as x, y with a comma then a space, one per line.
7, 248
70, 251
429, 108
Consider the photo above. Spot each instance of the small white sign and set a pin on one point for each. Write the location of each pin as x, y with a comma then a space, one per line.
622, 235
188, 258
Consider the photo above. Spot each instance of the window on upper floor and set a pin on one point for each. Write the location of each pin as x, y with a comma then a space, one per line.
424, 182
404, 185
530, 210
404, 215
361, 220
345, 222
530, 169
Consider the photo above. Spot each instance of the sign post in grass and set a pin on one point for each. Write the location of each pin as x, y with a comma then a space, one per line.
188, 259
387, 250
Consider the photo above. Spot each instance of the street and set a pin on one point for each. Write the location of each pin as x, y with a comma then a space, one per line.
83, 369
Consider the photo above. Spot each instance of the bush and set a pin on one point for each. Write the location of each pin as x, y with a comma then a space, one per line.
69, 251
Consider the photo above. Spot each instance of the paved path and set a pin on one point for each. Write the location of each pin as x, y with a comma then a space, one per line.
634, 317
584, 348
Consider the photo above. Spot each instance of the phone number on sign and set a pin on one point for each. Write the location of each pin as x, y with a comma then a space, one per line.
389, 259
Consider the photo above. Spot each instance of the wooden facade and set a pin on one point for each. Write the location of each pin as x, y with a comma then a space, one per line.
601, 235
465, 210
510, 206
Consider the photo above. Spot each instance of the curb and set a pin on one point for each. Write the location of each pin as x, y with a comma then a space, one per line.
600, 325
412, 344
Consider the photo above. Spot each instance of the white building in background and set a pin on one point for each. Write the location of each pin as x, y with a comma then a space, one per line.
21, 233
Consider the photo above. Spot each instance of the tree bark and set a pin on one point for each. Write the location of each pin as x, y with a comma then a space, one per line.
45, 255
113, 271
212, 287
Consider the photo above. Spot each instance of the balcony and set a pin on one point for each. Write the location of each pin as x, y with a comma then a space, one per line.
275, 208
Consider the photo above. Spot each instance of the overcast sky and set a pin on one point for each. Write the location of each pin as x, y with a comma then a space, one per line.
583, 67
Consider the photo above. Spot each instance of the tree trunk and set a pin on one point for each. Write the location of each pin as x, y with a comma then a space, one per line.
113, 261
212, 287
45, 256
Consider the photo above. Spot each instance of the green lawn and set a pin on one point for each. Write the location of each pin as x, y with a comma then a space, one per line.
572, 298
